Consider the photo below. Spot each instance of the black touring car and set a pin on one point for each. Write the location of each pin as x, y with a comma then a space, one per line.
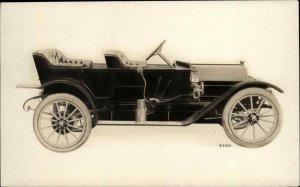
76, 95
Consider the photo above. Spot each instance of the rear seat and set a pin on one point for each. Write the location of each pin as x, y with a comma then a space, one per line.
56, 58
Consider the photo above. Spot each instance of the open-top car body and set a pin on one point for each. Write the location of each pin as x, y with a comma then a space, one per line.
79, 94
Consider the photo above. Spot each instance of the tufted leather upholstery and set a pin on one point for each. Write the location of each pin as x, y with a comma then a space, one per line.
121, 60
56, 58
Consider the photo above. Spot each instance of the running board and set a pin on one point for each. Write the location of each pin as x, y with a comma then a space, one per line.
145, 123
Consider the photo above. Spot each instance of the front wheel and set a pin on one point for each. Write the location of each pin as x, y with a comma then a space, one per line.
62, 122
252, 117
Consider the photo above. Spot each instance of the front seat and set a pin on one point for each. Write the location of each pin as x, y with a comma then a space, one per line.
117, 59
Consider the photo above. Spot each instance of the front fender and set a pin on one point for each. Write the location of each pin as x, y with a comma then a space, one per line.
225, 96
258, 84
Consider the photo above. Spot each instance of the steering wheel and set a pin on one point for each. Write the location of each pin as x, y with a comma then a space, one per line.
158, 49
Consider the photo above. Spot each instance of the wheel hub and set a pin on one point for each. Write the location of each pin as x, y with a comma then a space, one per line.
62, 124
252, 118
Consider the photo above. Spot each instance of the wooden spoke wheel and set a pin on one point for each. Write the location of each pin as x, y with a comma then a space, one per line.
62, 122
252, 117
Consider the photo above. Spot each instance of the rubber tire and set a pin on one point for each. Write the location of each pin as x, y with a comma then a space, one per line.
237, 97
74, 100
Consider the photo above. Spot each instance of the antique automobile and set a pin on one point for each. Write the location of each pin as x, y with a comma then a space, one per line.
76, 95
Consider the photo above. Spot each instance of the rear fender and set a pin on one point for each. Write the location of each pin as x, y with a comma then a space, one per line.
226, 96
72, 87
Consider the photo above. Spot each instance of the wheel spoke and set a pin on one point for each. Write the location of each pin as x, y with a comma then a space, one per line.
251, 104
51, 133
238, 115
253, 131
268, 110
77, 114
58, 137
75, 127
266, 120
71, 113
48, 126
242, 135
74, 120
66, 110
262, 128
47, 113
66, 136
240, 123
72, 134
257, 111
50, 119
51, 113
263, 116
58, 111
243, 107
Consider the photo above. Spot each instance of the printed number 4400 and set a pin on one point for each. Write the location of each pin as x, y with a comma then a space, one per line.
224, 145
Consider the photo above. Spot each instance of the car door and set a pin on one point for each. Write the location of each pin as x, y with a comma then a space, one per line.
127, 85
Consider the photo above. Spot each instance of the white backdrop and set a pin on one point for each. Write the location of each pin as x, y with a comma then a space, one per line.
264, 34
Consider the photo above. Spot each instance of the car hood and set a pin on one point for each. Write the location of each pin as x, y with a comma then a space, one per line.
220, 72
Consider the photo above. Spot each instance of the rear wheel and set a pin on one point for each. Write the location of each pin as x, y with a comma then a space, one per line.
62, 122
252, 117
